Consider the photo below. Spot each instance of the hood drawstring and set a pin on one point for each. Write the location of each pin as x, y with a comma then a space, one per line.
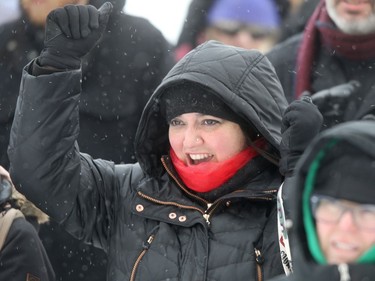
343, 269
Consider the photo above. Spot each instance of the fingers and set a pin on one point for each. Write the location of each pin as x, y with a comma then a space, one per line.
74, 21
60, 17
301, 112
306, 98
84, 21
104, 13
93, 14
77, 21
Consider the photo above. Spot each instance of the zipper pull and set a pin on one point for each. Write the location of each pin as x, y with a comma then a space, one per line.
258, 256
207, 218
147, 243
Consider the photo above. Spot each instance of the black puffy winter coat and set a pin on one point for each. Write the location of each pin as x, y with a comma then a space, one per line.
142, 215
23, 257
354, 135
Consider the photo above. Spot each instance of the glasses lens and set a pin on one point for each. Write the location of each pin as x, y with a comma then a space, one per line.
365, 216
330, 210
325, 209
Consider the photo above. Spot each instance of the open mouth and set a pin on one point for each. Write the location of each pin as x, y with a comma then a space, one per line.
347, 247
198, 158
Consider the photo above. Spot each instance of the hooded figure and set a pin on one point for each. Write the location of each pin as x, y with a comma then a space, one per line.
151, 221
338, 165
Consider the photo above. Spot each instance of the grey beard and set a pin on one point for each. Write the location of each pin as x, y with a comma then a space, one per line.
359, 27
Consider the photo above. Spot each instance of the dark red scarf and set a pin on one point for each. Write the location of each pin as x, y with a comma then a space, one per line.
209, 176
321, 31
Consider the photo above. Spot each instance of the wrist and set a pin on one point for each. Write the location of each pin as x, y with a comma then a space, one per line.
58, 61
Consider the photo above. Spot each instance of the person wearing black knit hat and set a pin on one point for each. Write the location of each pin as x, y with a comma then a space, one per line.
189, 97
200, 204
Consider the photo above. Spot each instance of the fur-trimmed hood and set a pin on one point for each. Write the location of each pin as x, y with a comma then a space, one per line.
27, 208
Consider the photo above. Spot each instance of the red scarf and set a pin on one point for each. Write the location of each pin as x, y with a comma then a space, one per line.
321, 30
209, 176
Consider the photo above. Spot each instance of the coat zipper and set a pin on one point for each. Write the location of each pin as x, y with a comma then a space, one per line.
259, 263
181, 185
169, 203
146, 246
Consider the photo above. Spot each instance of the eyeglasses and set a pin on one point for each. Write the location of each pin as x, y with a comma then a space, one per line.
330, 210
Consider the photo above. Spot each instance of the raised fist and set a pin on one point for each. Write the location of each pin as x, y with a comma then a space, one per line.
301, 122
71, 32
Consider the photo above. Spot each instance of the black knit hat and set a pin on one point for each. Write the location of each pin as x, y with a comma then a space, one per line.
191, 97
347, 173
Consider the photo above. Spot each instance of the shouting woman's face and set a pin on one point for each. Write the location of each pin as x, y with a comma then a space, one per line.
198, 138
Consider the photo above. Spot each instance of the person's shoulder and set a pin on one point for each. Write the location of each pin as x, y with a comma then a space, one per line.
138, 34
285, 49
9, 31
282, 278
140, 28
19, 234
22, 228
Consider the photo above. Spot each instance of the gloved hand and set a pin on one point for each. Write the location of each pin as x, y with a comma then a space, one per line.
71, 32
333, 102
301, 122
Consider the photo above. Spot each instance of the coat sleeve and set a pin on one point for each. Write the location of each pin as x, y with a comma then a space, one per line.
46, 164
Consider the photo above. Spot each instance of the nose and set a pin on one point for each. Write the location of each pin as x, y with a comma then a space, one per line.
347, 221
192, 137
244, 39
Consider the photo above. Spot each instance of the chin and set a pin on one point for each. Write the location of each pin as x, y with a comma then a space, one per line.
351, 25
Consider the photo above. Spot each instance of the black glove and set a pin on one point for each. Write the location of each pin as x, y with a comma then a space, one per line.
301, 122
71, 32
333, 102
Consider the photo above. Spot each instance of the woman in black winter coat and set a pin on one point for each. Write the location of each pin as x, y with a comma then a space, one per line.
200, 202
22, 255
333, 206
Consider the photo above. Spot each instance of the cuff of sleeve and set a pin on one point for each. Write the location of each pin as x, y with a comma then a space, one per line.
37, 69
